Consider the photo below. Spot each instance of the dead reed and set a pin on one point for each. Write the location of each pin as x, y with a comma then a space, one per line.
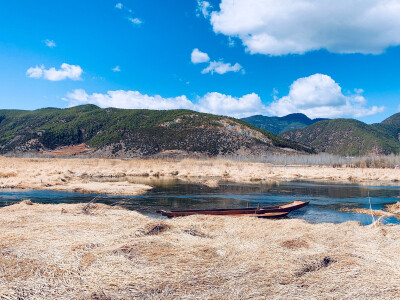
118, 254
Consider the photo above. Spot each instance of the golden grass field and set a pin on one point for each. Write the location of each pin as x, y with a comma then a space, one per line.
82, 175
76, 251
61, 252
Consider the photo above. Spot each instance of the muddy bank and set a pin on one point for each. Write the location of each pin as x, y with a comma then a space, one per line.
67, 252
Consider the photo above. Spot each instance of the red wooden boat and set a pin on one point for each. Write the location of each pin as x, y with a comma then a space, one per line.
260, 211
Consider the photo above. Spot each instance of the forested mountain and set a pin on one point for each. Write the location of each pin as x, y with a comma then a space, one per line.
115, 132
279, 125
349, 137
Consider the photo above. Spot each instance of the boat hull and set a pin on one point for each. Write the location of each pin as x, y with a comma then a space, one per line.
266, 211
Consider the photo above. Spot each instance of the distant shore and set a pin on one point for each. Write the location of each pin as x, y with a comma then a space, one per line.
113, 176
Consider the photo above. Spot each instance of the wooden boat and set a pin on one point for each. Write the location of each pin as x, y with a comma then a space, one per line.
260, 211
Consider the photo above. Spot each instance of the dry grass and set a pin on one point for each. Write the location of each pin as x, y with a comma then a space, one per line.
58, 252
373, 212
83, 175
394, 208
391, 210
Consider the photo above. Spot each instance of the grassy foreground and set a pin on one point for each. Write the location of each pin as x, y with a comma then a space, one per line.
71, 251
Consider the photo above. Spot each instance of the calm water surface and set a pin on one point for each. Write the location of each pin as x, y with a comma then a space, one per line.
326, 199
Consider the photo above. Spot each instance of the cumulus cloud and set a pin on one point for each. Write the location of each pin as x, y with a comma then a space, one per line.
116, 69
50, 43
203, 7
279, 27
65, 72
119, 5
199, 57
319, 96
128, 99
214, 103
221, 68
220, 104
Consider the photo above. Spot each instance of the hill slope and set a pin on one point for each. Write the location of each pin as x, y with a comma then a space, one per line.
346, 137
278, 125
391, 126
115, 132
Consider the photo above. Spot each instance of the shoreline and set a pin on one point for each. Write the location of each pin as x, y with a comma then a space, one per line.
96, 251
118, 176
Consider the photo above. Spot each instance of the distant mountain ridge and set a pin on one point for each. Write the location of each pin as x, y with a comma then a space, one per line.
350, 137
390, 125
278, 125
113, 132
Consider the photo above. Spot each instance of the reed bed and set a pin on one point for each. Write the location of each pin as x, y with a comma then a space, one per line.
61, 252
323, 159
115, 176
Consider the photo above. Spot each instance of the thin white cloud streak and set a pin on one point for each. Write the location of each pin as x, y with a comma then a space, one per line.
116, 69
65, 72
135, 21
280, 27
130, 17
50, 43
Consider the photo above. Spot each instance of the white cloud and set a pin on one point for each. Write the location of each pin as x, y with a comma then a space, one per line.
128, 99
279, 27
319, 96
131, 18
215, 103
116, 69
221, 68
50, 43
203, 7
67, 71
199, 57
136, 21
220, 104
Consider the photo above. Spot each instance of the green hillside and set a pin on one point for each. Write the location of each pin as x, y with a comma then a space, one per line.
346, 137
278, 125
390, 125
131, 133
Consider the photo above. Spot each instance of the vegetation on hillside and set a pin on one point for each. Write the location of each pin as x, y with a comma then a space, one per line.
278, 125
132, 132
346, 137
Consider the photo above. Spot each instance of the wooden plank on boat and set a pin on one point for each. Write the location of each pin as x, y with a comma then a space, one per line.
250, 211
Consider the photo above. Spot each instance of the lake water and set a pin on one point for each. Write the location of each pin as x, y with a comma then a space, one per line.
326, 199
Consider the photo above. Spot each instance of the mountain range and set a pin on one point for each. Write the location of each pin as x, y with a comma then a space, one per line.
113, 132
348, 137
278, 125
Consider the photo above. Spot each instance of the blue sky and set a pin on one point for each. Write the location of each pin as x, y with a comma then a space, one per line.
273, 59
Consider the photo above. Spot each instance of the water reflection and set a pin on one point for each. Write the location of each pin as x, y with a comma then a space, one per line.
326, 199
